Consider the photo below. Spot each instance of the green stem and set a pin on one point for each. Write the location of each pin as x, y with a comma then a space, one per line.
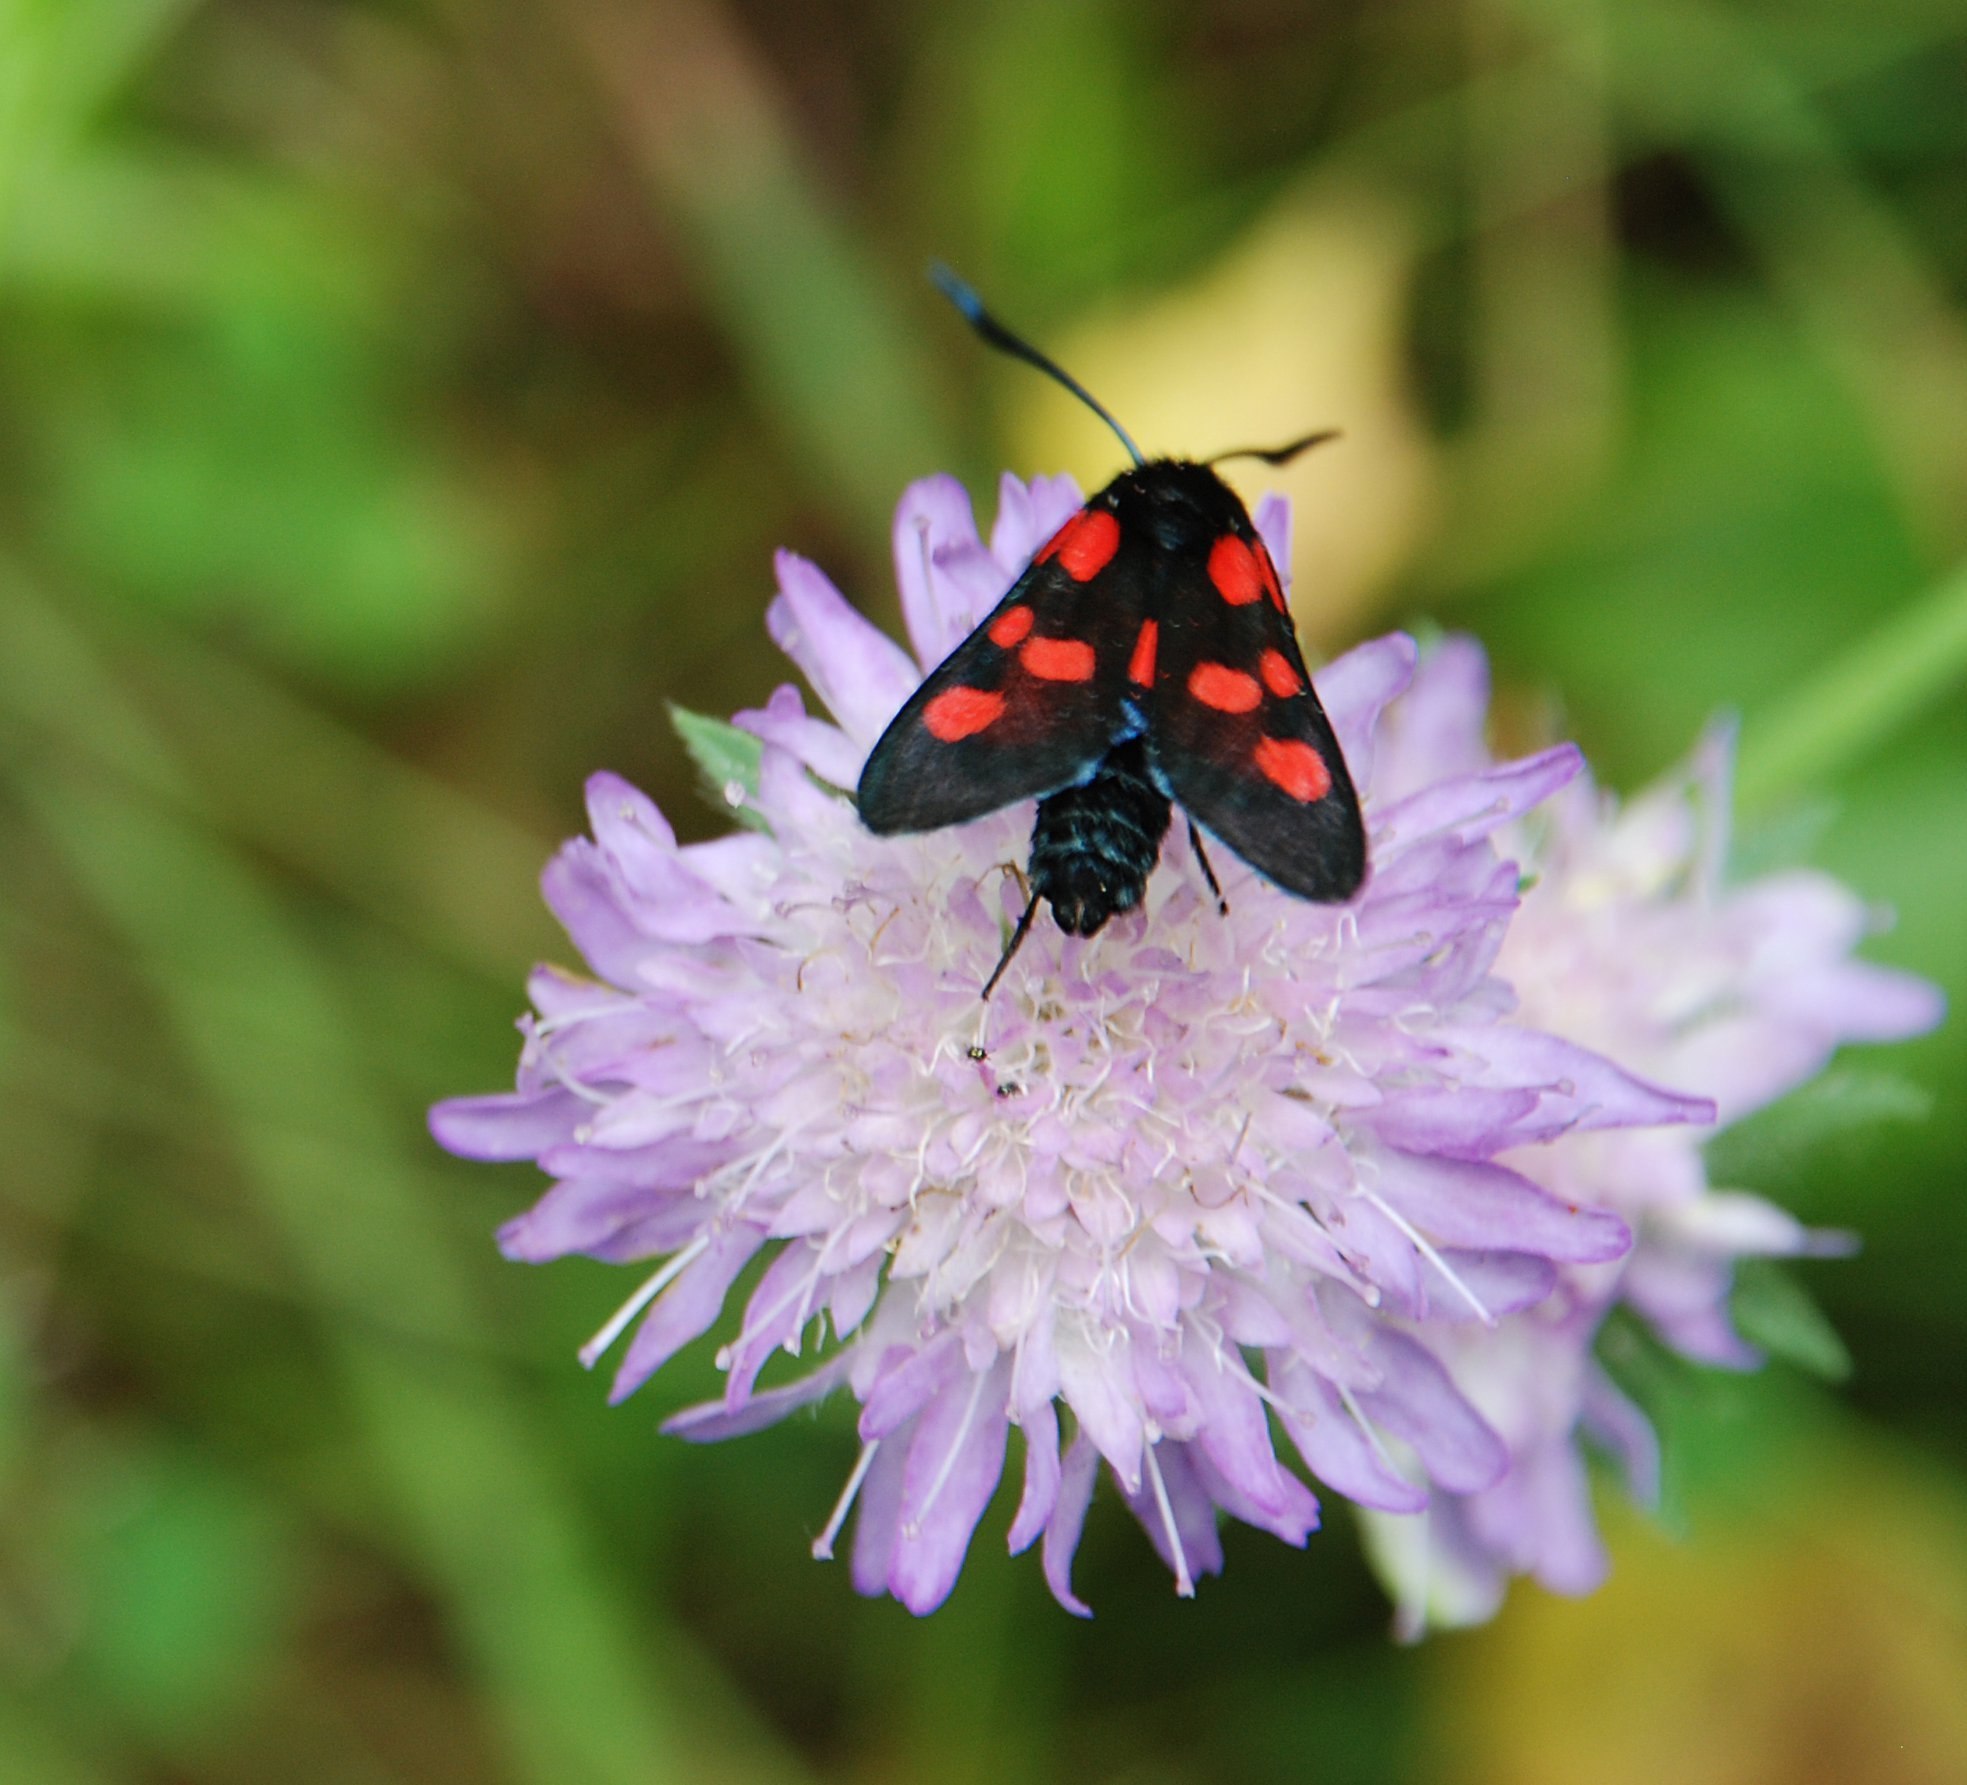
1855, 702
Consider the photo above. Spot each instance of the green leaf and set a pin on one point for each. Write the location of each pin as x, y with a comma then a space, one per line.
1860, 697
1771, 1144
1772, 1310
727, 759
187, 1580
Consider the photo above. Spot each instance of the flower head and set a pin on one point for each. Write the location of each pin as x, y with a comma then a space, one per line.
1175, 1179
1633, 940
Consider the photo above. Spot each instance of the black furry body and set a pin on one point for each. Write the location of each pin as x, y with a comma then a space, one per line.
1094, 845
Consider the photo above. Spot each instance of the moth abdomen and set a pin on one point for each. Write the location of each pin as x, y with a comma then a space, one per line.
1094, 845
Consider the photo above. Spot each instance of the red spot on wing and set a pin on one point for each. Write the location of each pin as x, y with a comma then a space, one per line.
1010, 627
1227, 690
1058, 659
1278, 675
1233, 569
1272, 587
1294, 766
1085, 545
1140, 666
961, 713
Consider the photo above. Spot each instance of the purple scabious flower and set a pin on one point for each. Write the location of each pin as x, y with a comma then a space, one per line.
1181, 1180
1632, 940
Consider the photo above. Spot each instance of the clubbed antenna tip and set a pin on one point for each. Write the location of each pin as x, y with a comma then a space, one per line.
972, 308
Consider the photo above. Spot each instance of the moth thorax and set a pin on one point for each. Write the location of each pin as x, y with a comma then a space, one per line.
1094, 845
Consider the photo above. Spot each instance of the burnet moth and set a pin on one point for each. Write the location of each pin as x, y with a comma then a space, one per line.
1144, 657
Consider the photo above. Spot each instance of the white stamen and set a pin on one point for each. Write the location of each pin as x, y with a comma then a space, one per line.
586, 1093
914, 1527
1366, 1425
823, 1543
1433, 1257
728, 1354
552, 1025
591, 1352
1184, 1581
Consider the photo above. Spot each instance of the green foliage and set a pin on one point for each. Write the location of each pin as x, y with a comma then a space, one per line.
1836, 1107
727, 762
1775, 1313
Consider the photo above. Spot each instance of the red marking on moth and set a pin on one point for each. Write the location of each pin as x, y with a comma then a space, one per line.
1010, 627
1227, 690
1278, 675
1272, 587
1294, 766
1085, 545
1058, 659
958, 713
1233, 569
1140, 666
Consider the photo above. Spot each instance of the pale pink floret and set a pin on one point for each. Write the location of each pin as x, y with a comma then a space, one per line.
1176, 1179
1634, 941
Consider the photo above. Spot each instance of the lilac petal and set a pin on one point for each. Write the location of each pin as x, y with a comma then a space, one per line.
589, 1215
1194, 1514
710, 1422
1355, 687
899, 1393
1571, 1557
1098, 1390
1041, 1476
1866, 1002
1471, 806
1439, 731
579, 891
1503, 1282
679, 1163
1417, 1401
1235, 1435
933, 515
646, 876
1615, 1421
1028, 515
1273, 523
629, 826
685, 1309
1539, 1519
1580, 1089
786, 1297
861, 673
955, 1461
878, 1516
1335, 1447
1442, 1572
557, 993
1465, 1202
506, 1125
1076, 1478
1463, 1122
1292, 1520
1685, 1297
823, 748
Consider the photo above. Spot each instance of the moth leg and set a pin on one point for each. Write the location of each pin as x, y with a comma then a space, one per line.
1010, 948
1208, 873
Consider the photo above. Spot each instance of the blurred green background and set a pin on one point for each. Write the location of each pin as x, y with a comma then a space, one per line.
399, 402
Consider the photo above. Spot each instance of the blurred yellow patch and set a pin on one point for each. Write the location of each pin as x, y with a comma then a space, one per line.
1820, 1637
1299, 326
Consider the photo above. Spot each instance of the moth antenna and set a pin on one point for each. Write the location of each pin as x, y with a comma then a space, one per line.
1277, 455
1004, 341
1010, 948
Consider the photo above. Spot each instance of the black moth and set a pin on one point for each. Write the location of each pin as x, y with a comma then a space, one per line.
1144, 657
